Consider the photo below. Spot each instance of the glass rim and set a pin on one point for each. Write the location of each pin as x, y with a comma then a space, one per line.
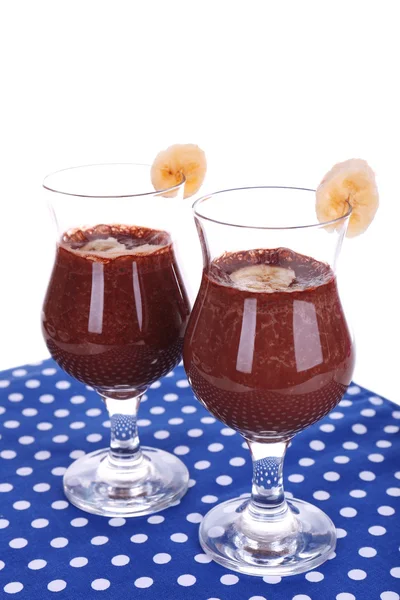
118, 164
319, 224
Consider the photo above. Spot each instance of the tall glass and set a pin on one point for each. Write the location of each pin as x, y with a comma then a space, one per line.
114, 317
268, 352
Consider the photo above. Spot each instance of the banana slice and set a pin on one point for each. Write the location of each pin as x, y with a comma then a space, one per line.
174, 163
263, 278
109, 245
350, 181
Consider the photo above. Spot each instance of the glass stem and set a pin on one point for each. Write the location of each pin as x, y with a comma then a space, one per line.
267, 500
125, 449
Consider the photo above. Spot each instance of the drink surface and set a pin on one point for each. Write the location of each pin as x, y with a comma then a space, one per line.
115, 311
268, 359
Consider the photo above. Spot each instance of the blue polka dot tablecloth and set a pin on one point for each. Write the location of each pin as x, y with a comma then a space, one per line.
348, 464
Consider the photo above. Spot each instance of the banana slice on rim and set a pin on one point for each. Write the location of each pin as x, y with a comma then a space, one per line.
263, 278
174, 163
350, 181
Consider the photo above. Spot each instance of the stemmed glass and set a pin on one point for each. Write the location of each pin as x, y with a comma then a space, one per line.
114, 317
268, 352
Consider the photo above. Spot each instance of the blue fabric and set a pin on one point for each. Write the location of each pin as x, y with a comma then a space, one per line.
48, 419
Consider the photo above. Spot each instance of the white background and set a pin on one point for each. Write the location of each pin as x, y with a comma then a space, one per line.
275, 93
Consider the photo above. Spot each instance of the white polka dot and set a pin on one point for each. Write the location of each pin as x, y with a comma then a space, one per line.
336, 415
376, 458
79, 522
396, 414
37, 564
155, 385
182, 383
317, 445
272, 579
300, 597
18, 543
350, 445
186, 580
367, 552
340, 533
260, 598
93, 412
163, 434
29, 412
181, 450
386, 511
58, 471
383, 444
44, 426
215, 447
391, 429
377, 530
8, 454
296, 478
393, 491
354, 389
23, 471
209, 499
341, 460
120, 560
175, 421
156, 519
5, 487
46, 399
395, 572
216, 531
348, 512
162, 558
48, 372
306, 462
367, 475
139, 538
19, 372
229, 579
143, 422
107, 423
57, 585
100, 584
59, 504
99, 540
345, 596
143, 582
331, 476
59, 542
117, 522
194, 518
94, 437
358, 493
21, 505
170, 397
389, 596
195, 433
79, 561
39, 523
77, 399
237, 461
180, 538
208, 420
368, 412
11, 424
4, 383
14, 586
375, 400
42, 455
75, 454
60, 413
189, 410
192, 482
227, 431
2, 564
4, 523
16, 397
203, 558
359, 428
202, 464
32, 383
157, 410
26, 440
321, 495
314, 576
357, 574
63, 385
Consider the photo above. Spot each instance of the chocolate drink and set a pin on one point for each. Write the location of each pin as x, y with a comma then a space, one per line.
268, 363
116, 310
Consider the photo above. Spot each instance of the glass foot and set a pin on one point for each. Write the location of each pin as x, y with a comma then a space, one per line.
158, 481
305, 545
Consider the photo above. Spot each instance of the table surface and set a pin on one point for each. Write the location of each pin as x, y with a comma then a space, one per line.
347, 464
